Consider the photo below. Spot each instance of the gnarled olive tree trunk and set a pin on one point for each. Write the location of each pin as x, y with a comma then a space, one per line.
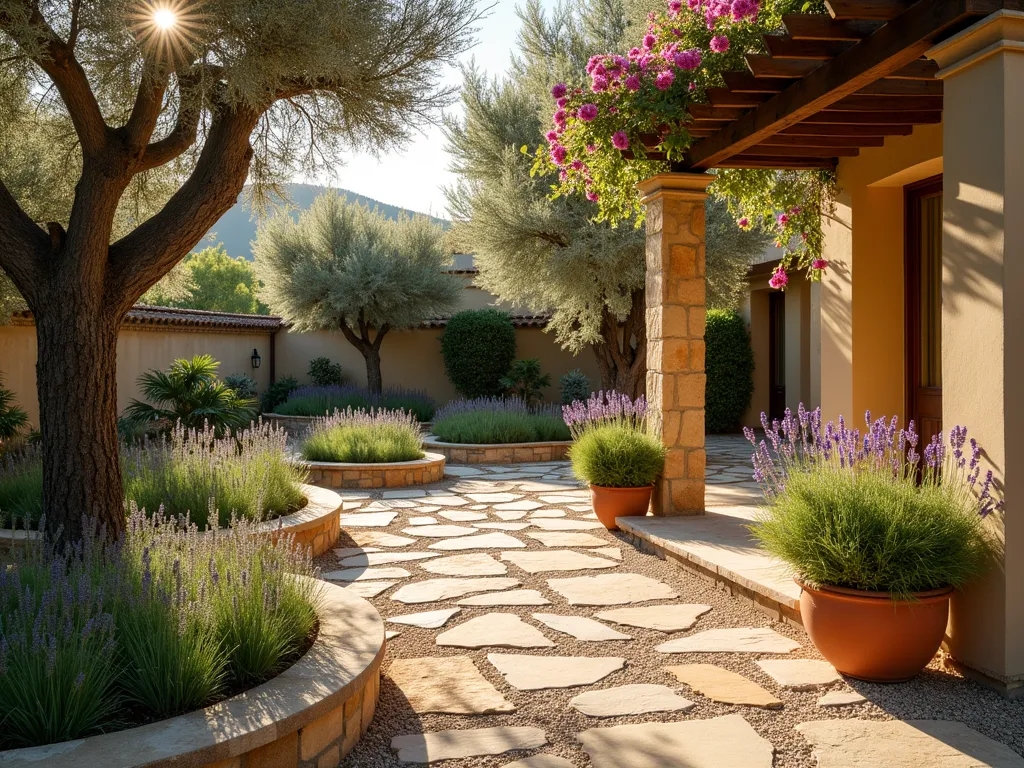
622, 354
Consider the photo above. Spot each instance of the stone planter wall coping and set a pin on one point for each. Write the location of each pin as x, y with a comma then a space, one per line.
302, 716
336, 474
499, 453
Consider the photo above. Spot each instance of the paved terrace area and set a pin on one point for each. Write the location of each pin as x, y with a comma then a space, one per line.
524, 635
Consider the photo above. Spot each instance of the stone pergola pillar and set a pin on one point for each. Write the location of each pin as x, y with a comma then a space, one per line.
982, 69
675, 335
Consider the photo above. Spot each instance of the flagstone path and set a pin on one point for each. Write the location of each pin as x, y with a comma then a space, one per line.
530, 637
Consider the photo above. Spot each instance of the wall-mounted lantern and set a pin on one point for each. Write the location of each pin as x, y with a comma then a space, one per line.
256, 359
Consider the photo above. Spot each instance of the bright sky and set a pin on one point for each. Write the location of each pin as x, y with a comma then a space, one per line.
414, 178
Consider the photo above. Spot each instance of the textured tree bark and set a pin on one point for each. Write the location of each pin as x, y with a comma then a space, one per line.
374, 380
76, 381
622, 355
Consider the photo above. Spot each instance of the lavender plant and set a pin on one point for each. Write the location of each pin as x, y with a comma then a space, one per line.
613, 446
867, 510
495, 420
323, 400
364, 437
603, 408
98, 634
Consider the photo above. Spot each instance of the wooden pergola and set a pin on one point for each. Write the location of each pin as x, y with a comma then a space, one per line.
832, 84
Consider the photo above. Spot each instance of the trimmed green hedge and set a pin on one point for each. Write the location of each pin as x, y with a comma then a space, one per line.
478, 346
729, 361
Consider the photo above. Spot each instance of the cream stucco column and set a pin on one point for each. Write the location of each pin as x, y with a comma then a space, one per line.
675, 335
983, 313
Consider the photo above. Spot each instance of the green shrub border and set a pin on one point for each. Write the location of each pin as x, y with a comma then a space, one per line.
729, 364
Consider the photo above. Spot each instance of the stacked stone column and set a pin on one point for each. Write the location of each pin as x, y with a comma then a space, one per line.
675, 335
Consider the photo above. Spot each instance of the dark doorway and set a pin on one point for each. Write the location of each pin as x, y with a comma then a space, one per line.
776, 354
923, 260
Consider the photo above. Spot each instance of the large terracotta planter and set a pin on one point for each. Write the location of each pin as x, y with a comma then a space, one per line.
869, 636
610, 503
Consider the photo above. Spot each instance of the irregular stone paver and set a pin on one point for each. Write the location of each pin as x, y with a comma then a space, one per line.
494, 498
475, 564
477, 507
518, 506
556, 560
910, 744
540, 761
512, 597
664, 618
366, 574
502, 526
574, 497
579, 508
456, 471
441, 531
613, 552
721, 742
611, 589
462, 516
723, 685
630, 700
391, 634
383, 558
377, 506
580, 627
415, 521
403, 493
731, 640
425, 510
344, 552
566, 539
380, 539
840, 699
449, 745
367, 519
447, 500
548, 513
433, 590
368, 588
560, 524
508, 516
426, 619
498, 630
448, 684
534, 673
481, 541
800, 674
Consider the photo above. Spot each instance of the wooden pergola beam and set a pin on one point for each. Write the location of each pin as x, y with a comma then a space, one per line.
875, 118
780, 47
781, 150
777, 163
839, 129
861, 103
817, 26
870, 10
893, 47
782, 140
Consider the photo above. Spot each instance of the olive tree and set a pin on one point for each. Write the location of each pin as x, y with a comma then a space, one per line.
344, 267
201, 95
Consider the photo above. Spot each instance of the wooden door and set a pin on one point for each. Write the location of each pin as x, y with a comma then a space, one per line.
923, 260
776, 354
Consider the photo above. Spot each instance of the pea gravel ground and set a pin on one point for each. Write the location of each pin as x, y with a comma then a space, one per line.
936, 694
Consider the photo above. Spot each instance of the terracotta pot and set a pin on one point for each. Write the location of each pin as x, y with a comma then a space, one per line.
610, 503
869, 636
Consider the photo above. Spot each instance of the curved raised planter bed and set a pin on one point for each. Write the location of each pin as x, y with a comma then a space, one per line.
316, 525
332, 474
503, 453
310, 715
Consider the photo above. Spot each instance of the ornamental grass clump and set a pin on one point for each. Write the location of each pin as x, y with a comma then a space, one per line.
868, 511
613, 446
495, 420
98, 635
364, 437
249, 475
321, 401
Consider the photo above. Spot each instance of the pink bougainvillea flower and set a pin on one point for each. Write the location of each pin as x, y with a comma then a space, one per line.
577, 165
559, 117
821, 264
719, 43
551, 136
795, 210
620, 140
563, 174
649, 41
632, 83
612, 110
688, 59
779, 278
592, 196
622, 62
558, 154
635, 53
562, 102
741, 9
664, 79
693, 5
674, 7
558, 90
599, 83
744, 222
591, 148
600, 70
783, 219
588, 112
691, 87
593, 62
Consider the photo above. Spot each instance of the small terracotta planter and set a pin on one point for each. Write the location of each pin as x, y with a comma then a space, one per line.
610, 503
870, 636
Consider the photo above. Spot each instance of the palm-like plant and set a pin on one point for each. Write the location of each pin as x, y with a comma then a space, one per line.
12, 418
190, 392
525, 381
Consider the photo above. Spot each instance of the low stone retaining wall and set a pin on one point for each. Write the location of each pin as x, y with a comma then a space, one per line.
507, 453
329, 474
309, 716
316, 525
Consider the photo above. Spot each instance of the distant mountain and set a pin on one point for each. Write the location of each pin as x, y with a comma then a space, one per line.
237, 228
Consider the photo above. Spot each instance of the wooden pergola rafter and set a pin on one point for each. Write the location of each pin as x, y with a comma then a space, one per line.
831, 85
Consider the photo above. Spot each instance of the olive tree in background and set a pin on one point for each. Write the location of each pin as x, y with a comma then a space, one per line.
203, 95
344, 267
